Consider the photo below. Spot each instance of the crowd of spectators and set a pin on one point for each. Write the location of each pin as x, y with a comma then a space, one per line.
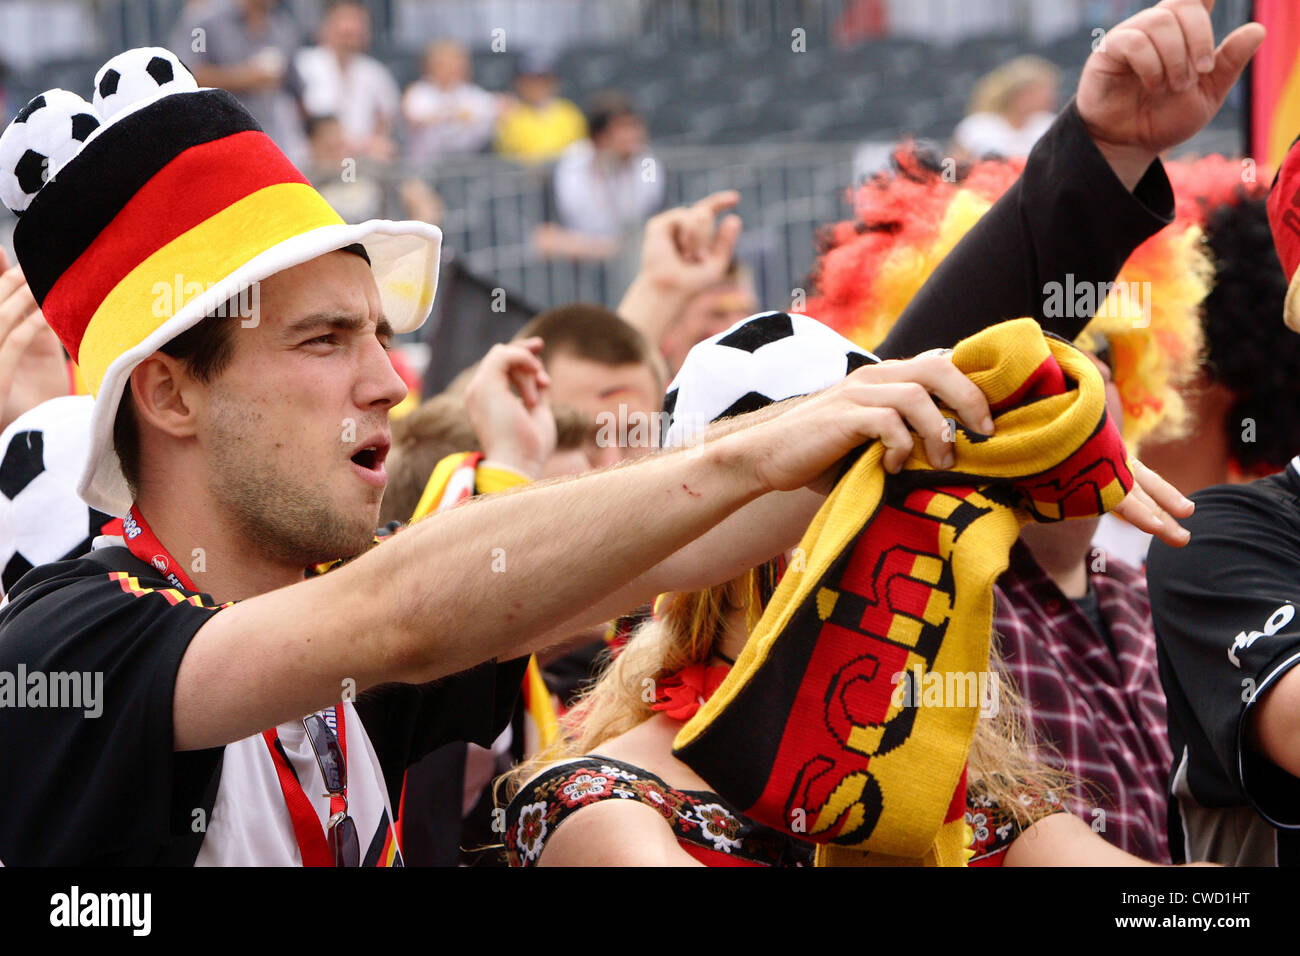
336, 110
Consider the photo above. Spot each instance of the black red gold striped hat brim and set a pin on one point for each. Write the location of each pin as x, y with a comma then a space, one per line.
189, 194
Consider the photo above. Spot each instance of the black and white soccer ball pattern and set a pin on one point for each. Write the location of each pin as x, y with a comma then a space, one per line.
765, 358
46, 133
42, 519
52, 128
136, 78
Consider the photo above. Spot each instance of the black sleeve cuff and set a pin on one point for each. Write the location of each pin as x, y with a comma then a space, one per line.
1070, 153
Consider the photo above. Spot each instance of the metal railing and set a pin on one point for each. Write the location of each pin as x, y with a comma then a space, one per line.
787, 192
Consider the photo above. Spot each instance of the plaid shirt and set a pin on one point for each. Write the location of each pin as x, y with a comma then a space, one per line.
1104, 711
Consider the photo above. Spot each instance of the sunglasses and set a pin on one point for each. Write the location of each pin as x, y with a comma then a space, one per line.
340, 829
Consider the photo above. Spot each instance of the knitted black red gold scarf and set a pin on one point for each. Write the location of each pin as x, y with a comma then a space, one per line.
807, 734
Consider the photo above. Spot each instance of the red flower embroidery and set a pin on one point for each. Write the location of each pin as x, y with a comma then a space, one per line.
584, 786
681, 694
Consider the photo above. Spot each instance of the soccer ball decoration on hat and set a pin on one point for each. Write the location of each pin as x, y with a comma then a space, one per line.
137, 77
160, 178
45, 134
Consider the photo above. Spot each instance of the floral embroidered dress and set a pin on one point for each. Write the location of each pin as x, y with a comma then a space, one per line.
992, 828
706, 827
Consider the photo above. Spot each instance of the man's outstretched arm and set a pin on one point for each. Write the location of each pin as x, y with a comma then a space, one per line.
493, 578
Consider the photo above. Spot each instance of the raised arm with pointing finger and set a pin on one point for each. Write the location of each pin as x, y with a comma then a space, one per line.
1092, 191
1093, 188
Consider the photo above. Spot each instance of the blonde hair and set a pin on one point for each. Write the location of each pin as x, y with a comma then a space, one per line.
995, 90
1003, 763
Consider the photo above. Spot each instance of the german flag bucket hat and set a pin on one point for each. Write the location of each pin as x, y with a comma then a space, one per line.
158, 186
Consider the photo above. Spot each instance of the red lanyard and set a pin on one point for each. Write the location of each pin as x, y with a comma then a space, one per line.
307, 829
144, 544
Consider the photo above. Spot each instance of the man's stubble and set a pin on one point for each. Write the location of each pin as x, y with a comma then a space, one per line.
269, 497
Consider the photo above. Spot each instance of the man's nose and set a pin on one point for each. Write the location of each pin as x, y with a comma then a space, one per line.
380, 384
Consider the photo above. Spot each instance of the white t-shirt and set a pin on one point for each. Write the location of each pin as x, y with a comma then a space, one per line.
983, 133
357, 96
249, 825
597, 199
443, 122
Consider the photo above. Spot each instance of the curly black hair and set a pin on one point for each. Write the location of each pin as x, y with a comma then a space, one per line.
1249, 349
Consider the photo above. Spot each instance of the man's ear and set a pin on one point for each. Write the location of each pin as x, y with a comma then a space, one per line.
165, 395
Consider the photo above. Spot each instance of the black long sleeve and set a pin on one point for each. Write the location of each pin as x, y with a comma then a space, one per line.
1067, 214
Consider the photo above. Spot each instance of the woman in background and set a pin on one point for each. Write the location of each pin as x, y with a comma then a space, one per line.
1011, 107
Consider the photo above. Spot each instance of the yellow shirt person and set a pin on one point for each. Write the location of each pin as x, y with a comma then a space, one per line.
534, 134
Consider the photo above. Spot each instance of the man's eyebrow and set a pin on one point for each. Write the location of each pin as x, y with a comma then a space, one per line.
342, 321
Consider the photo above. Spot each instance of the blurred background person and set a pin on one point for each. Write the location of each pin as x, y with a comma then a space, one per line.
1010, 108
690, 284
356, 188
445, 112
539, 123
710, 311
248, 48
341, 80
604, 189
608, 184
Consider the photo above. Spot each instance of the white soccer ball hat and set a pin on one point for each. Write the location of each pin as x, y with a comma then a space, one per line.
53, 127
763, 359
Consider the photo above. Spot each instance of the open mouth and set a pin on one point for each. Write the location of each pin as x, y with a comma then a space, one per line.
371, 456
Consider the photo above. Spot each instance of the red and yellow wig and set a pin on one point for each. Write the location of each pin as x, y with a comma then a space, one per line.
907, 220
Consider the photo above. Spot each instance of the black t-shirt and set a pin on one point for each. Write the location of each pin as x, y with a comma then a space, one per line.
91, 776
1227, 629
